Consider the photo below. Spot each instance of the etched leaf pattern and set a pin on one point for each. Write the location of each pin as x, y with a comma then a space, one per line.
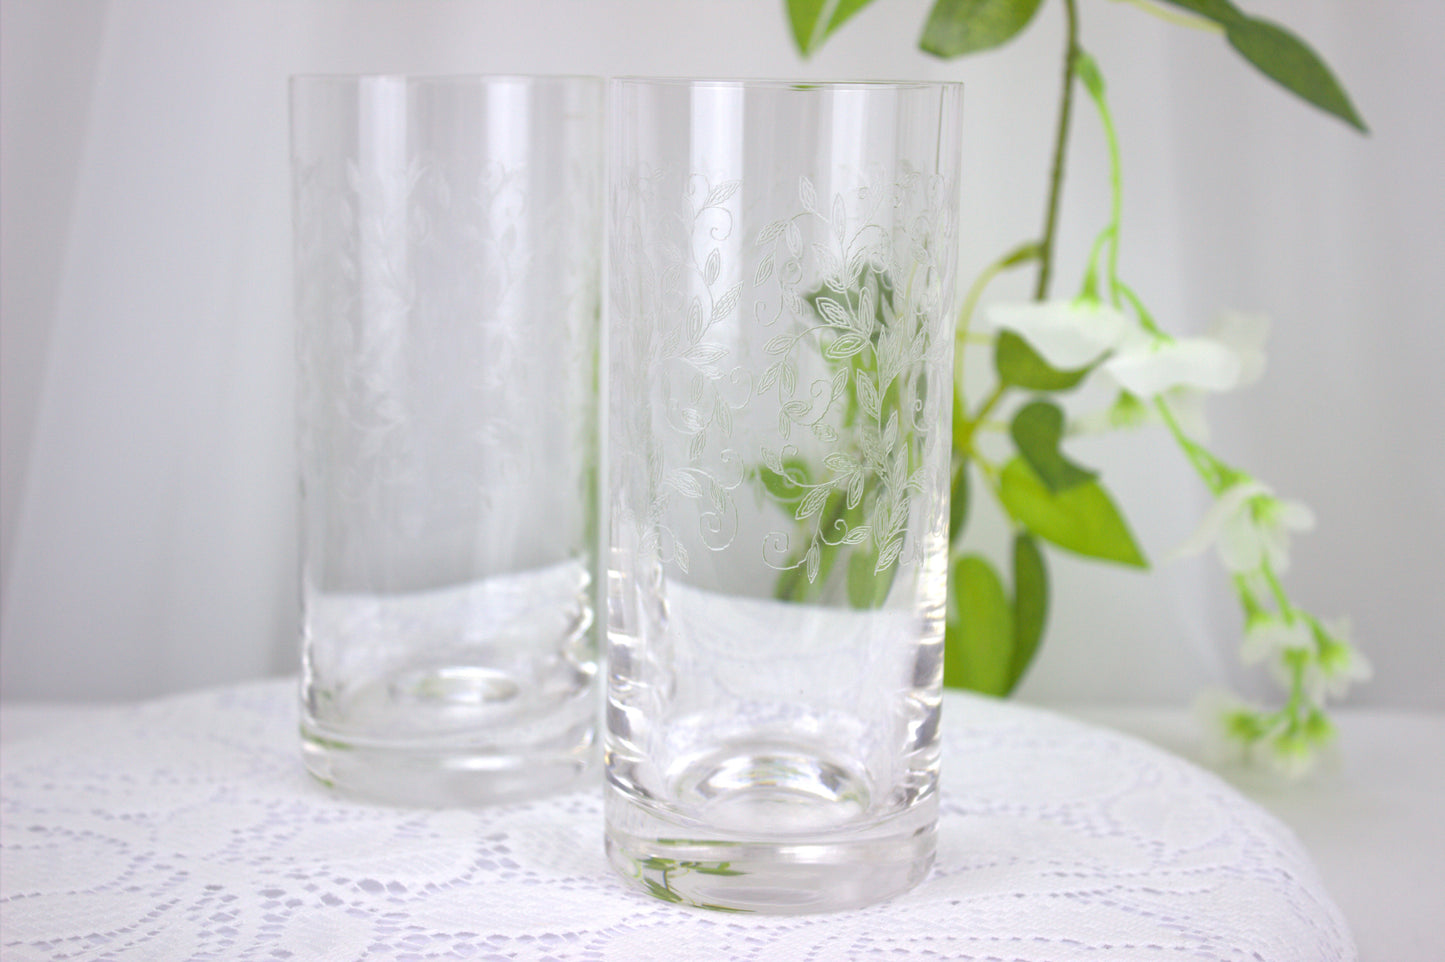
416, 284
874, 316
700, 383
842, 301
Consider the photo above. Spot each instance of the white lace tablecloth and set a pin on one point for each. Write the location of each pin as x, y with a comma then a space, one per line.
186, 828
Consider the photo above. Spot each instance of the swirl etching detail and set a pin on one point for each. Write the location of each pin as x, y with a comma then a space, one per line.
787, 364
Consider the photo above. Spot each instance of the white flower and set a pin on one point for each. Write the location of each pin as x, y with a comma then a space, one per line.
1177, 372
1154, 366
1293, 752
1229, 725
1338, 663
1067, 334
1269, 636
1244, 334
1229, 355
1129, 412
1304, 742
1251, 527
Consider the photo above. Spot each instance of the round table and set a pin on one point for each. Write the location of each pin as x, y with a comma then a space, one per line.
186, 828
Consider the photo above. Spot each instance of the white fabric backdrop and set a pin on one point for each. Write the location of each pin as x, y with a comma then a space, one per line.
148, 518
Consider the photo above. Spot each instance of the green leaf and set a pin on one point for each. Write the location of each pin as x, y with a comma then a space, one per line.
1082, 519
867, 586
1088, 71
958, 27
958, 501
1019, 365
661, 891
978, 642
1220, 11
1031, 604
813, 21
1280, 56
1285, 59
963, 428
719, 869
791, 484
1037, 429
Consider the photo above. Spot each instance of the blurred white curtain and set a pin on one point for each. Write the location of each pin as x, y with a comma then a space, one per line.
148, 480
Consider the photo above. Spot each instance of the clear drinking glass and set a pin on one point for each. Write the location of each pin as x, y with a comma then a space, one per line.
448, 249
781, 396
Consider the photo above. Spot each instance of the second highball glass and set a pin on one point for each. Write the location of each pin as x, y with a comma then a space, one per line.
779, 431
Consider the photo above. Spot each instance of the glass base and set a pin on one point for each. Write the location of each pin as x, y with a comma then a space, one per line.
771, 833
454, 736
441, 779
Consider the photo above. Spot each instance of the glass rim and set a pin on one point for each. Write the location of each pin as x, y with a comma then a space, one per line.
778, 83
459, 79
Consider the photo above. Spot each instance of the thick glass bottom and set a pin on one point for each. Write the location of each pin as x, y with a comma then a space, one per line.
770, 832
453, 736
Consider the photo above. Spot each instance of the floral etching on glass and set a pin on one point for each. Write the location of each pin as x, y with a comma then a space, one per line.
847, 296
866, 300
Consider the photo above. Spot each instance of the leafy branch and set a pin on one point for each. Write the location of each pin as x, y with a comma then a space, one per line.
955, 28
869, 331
1043, 350
658, 875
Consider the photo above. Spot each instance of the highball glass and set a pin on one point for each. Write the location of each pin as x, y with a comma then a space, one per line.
779, 435
448, 236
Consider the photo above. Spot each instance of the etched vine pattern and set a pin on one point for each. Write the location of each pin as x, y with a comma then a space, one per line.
401, 260
535, 303
356, 290
714, 394
873, 319
870, 318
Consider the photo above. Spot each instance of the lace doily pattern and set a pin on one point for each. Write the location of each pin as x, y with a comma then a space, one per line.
186, 828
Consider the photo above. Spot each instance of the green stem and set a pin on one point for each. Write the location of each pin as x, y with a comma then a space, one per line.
972, 424
1089, 71
991, 475
1146, 320
1013, 258
963, 336
1247, 600
1116, 184
1061, 139
1281, 598
1091, 273
1298, 702
1203, 462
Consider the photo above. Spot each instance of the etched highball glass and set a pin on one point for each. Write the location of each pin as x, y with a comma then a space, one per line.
448, 251
779, 433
